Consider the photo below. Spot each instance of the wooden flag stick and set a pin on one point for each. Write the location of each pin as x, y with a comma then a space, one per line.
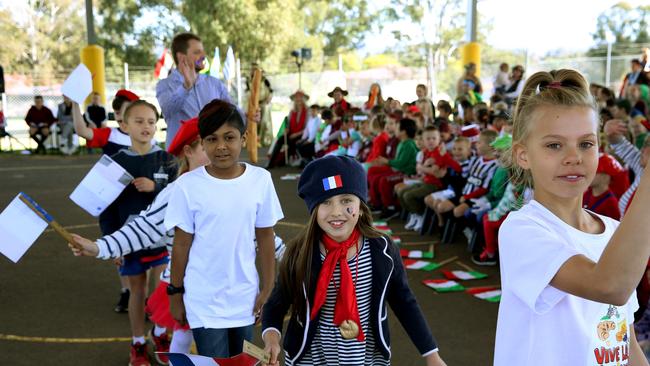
46, 217
447, 261
253, 104
465, 266
254, 351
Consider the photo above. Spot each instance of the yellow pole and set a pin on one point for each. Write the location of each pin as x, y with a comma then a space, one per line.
93, 57
472, 53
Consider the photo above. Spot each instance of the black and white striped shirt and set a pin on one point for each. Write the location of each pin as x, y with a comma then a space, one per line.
480, 174
631, 157
328, 346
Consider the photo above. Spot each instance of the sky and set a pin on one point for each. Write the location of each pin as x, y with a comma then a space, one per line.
537, 25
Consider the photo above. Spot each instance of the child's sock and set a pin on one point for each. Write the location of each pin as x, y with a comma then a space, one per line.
139, 339
181, 341
158, 330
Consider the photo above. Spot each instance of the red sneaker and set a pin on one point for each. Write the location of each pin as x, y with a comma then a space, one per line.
160, 344
139, 355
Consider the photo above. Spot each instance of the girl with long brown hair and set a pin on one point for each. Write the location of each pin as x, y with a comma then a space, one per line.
336, 278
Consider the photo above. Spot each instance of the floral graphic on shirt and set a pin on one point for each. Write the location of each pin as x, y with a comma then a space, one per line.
611, 347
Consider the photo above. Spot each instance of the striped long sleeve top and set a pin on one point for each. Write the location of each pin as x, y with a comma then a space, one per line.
631, 156
146, 230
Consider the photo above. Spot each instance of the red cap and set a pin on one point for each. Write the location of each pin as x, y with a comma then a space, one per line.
471, 130
131, 96
187, 134
414, 109
607, 164
645, 124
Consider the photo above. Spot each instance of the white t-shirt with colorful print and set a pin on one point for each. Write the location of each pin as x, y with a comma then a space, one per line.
541, 325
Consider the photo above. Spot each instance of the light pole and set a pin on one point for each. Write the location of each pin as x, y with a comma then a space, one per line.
609, 37
301, 55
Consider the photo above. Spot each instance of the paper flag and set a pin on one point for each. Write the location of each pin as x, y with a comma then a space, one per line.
182, 359
380, 223
421, 265
491, 294
463, 275
20, 227
396, 240
101, 186
405, 253
78, 85
444, 285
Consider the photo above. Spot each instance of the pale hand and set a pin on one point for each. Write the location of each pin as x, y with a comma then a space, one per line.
615, 127
83, 247
272, 347
177, 308
381, 161
143, 184
435, 360
442, 149
187, 70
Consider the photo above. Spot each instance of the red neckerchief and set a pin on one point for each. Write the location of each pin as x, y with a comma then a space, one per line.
346, 298
297, 124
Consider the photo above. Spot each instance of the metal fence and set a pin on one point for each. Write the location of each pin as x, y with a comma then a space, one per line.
396, 81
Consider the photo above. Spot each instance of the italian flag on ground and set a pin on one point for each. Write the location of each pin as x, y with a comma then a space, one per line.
463, 275
491, 294
421, 265
444, 285
405, 253
383, 227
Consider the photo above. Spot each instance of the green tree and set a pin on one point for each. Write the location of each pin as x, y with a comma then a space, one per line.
341, 24
47, 34
127, 34
626, 24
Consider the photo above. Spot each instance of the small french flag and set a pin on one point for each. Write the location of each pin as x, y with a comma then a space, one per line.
332, 182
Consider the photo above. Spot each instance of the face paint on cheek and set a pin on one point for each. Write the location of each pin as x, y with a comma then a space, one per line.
350, 211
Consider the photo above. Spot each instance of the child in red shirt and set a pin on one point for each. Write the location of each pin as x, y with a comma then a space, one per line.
598, 197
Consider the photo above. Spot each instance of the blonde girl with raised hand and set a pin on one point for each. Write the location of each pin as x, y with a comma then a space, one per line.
568, 275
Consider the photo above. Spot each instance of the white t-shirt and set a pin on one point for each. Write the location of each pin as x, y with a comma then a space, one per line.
539, 324
221, 280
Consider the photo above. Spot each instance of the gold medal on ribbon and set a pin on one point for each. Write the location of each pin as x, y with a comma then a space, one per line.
349, 329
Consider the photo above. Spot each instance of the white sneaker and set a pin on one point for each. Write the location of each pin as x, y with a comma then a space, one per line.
410, 222
419, 221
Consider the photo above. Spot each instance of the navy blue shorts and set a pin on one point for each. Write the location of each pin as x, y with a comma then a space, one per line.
139, 262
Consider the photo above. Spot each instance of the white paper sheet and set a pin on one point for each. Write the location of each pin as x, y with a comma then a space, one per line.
19, 229
101, 186
78, 85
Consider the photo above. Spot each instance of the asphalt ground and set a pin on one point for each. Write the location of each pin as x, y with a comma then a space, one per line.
56, 309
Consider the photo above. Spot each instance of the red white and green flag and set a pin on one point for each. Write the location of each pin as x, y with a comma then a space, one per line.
444, 285
405, 253
396, 240
491, 294
421, 265
383, 227
463, 275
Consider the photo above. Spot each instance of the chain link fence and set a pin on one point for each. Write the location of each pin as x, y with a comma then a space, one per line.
398, 82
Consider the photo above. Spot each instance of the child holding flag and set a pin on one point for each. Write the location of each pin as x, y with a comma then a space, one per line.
337, 277
148, 230
217, 213
153, 169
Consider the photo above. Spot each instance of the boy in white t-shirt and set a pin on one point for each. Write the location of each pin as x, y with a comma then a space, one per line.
218, 211
568, 275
